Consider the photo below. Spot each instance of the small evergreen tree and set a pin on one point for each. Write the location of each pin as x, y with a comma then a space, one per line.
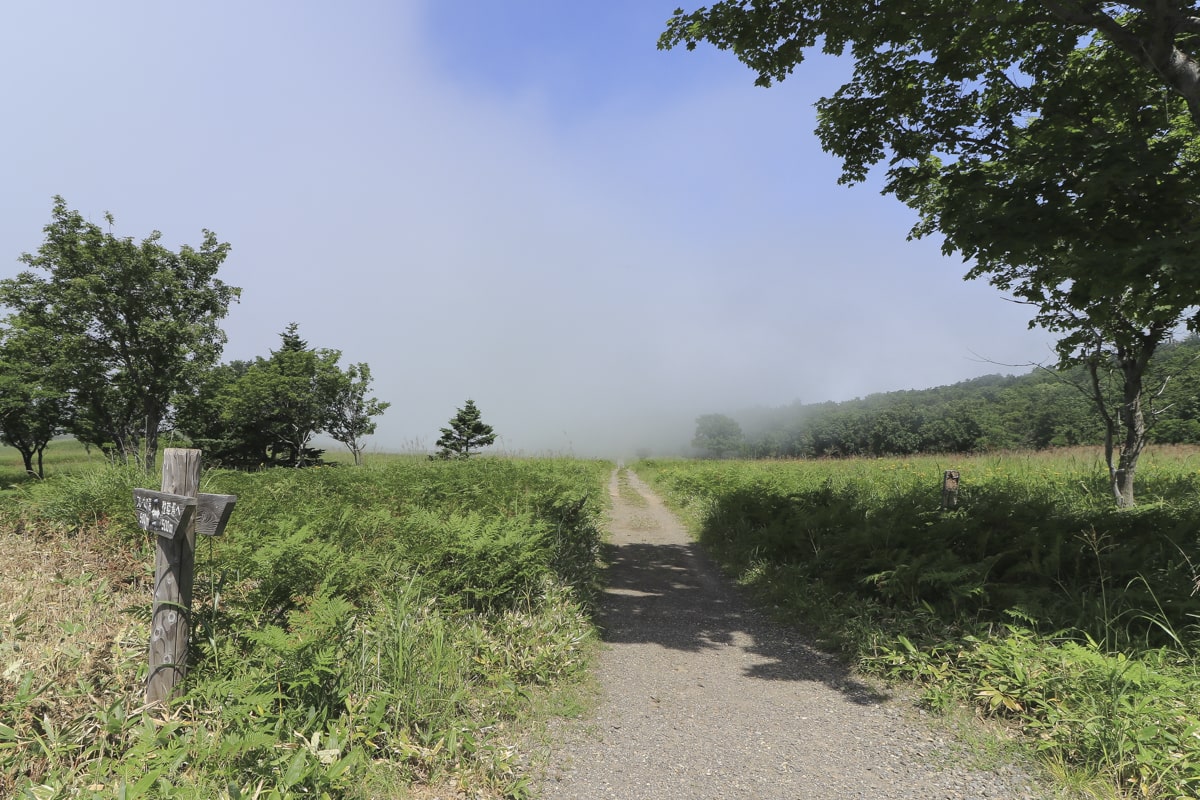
466, 432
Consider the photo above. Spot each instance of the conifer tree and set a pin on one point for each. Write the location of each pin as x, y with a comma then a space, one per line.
467, 432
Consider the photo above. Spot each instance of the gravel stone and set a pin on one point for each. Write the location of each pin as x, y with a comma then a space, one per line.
703, 697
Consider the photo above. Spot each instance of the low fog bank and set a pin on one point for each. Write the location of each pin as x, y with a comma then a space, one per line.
618, 437
617, 419
611, 435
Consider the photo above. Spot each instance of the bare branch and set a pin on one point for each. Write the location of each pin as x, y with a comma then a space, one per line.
1015, 301
1109, 423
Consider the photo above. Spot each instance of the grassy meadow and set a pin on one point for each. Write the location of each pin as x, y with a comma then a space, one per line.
63, 455
357, 632
392, 630
1035, 601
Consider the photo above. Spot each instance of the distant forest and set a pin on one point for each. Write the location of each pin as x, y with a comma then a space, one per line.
1041, 409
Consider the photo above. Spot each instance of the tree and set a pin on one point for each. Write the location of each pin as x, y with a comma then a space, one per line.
894, 432
274, 409
33, 409
267, 412
467, 432
717, 436
1054, 144
351, 411
199, 416
129, 324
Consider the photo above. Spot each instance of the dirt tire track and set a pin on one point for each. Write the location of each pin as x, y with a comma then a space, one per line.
704, 698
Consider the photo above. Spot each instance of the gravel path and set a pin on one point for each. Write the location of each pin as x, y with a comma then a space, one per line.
703, 698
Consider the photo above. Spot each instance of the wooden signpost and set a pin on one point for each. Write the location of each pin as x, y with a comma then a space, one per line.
176, 515
950, 489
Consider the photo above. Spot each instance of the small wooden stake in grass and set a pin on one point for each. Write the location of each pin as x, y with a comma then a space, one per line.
950, 489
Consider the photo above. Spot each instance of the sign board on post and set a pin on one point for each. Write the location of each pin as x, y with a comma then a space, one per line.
163, 513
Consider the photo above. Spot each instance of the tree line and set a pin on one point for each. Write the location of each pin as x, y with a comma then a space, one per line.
1041, 409
117, 342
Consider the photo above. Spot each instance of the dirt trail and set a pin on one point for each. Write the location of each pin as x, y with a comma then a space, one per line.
704, 698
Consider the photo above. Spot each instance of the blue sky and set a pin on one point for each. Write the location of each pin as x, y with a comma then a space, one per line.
524, 203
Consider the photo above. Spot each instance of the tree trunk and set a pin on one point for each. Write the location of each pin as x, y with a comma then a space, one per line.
1120, 477
152, 417
1129, 421
127, 444
27, 457
1133, 423
152, 424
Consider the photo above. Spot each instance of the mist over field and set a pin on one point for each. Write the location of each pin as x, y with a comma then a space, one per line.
530, 207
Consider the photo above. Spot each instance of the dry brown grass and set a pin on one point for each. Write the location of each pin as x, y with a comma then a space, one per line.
73, 631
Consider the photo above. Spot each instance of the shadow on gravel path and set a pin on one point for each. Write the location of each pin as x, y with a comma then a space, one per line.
672, 595
705, 698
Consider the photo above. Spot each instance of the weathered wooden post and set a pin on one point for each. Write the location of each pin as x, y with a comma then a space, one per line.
175, 515
950, 489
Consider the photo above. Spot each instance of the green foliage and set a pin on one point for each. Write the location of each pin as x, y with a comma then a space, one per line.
33, 409
266, 413
119, 326
97, 497
717, 436
351, 412
1132, 719
482, 561
62, 455
467, 432
281, 402
1034, 600
352, 628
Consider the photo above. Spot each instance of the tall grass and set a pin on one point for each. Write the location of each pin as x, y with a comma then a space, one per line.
354, 631
62, 456
1035, 599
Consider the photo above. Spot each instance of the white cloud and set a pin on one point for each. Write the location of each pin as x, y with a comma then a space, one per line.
587, 277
